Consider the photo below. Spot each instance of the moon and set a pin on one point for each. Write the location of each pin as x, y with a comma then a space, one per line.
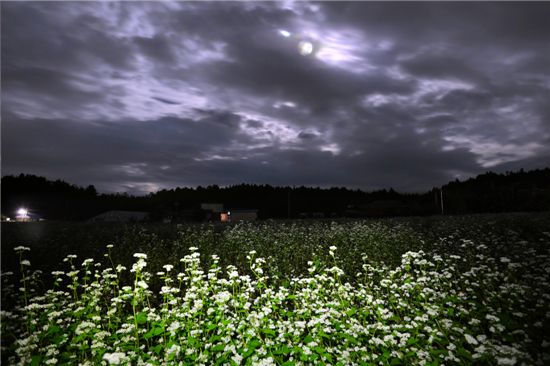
305, 48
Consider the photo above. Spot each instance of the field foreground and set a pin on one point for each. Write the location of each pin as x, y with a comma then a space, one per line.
463, 290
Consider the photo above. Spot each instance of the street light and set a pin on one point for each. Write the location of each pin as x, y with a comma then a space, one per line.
22, 213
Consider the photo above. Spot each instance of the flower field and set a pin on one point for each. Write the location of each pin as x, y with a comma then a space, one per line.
420, 291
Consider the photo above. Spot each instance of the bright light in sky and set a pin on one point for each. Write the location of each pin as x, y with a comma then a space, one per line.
284, 33
22, 212
305, 47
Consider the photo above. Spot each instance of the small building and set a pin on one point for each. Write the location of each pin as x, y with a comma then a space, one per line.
211, 210
235, 215
121, 216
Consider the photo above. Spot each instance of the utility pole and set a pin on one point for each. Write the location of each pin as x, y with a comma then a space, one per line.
288, 203
441, 200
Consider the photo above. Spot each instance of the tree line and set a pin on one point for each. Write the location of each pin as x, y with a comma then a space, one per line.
489, 192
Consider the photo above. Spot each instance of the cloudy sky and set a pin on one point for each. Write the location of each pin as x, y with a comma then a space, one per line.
139, 96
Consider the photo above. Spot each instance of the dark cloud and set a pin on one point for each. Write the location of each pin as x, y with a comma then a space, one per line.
166, 101
306, 135
438, 67
157, 47
142, 95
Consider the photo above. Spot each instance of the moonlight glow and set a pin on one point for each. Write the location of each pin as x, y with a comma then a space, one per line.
305, 48
284, 33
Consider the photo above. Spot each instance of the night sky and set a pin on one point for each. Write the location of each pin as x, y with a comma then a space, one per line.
135, 97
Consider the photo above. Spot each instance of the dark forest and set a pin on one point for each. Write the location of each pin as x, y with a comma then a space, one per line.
489, 192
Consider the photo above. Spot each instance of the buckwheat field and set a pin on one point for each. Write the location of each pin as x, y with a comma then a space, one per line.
417, 291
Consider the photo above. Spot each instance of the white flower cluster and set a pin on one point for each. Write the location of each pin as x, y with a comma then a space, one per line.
453, 300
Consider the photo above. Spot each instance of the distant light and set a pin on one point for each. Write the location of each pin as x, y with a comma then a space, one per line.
8, 219
284, 33
228, 213
305, 47
22, 212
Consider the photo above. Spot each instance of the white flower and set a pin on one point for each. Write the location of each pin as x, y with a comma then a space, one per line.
143, 285
168, 267
21, 248
174, 326
332, 248
140, 255
506, 361
237, 359
222, 297
114, 358
470, 339
175, 349
25, 263
504, 260
120, 268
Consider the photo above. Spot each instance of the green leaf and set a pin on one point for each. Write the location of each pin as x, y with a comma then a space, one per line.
269, 332
351, 312
154, 332
308, 339
214, 338
35, 360
192, 341
221, 360
463, 354
141, 318
53, 330
351, 339
218, 348
157, 349
254, 343
251, 346
283, 350
320, 350
210, 327
395, 361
